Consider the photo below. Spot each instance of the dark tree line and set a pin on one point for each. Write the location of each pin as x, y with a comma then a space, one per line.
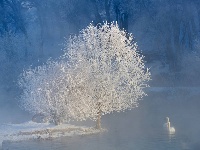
31, 30
11, 17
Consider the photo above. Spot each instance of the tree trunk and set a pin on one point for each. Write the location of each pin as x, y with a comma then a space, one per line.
98, 123
107, 8
57, 121
98, 18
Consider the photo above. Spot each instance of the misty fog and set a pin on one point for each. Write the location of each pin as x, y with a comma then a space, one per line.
167, 33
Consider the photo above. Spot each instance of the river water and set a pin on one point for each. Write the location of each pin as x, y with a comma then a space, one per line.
137, 129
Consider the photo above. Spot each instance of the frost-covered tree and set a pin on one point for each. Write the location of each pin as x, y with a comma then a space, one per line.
101, 72
43, 91
106, 72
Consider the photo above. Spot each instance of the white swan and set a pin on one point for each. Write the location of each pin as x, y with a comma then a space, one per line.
171, 130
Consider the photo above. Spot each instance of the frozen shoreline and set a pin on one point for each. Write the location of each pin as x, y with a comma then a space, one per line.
31, 130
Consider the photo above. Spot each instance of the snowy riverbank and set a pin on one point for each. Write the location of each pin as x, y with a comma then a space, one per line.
31, 130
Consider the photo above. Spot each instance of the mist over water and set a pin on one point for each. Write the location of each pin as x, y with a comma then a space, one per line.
140, 128
167, 32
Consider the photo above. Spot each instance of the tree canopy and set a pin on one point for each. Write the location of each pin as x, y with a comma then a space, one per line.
108, 68
100, 72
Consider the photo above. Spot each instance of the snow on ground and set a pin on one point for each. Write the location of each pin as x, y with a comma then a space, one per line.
31, 130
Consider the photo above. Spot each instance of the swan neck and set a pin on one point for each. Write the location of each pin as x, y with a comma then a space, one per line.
168, 125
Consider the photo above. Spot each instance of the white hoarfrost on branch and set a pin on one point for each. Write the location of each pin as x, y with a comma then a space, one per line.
43, 91
106, 72
100, 72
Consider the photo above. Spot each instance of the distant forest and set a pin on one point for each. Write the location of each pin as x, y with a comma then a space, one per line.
167, 32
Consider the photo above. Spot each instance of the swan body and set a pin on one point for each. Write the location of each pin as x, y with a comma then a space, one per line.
171, 130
